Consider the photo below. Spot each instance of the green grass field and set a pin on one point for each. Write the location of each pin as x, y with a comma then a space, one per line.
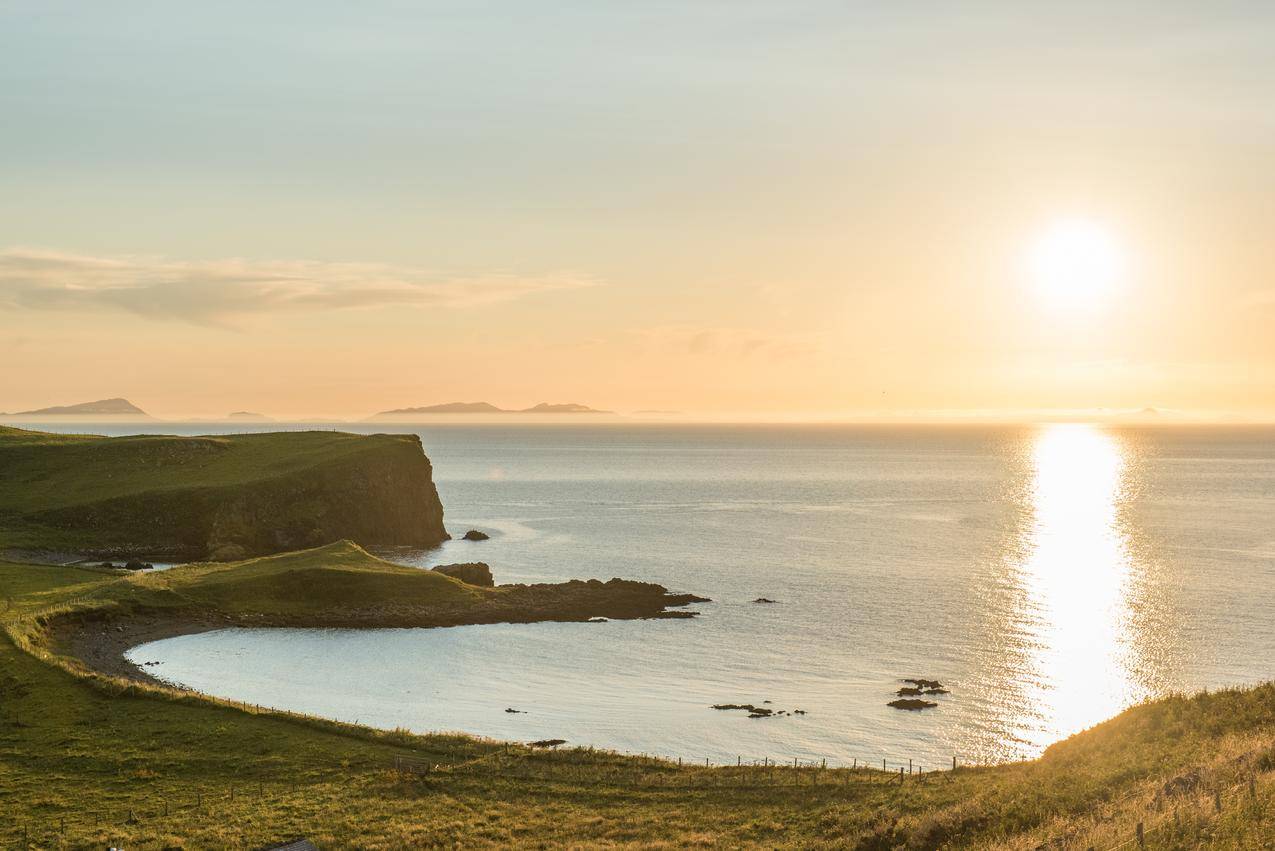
89, 760
329, 579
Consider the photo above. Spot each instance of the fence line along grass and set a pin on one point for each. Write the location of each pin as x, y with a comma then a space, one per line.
88, 761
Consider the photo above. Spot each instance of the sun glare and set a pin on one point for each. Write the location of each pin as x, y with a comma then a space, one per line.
1075, 265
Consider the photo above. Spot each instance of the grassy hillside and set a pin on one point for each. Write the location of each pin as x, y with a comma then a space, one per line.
337, 577
87, 762
337, 581
219, 496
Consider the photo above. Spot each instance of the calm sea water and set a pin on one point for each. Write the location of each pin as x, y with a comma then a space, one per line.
1049, 577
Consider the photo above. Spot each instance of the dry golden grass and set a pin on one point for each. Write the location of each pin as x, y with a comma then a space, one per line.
89, 761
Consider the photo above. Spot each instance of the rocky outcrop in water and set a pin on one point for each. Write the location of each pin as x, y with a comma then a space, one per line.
475, 535
911, 703
910, 697
474, 573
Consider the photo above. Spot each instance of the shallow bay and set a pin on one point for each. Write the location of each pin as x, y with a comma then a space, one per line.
1048, 576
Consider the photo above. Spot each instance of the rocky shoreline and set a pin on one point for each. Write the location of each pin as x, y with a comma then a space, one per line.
101, 638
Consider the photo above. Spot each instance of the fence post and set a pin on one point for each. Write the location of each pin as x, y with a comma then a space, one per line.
1217, 801
1142, 840
953, 763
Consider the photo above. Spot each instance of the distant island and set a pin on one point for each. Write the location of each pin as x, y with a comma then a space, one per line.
488, 408
251, 416
103, 407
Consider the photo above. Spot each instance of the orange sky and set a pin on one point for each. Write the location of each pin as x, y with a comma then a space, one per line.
738, 210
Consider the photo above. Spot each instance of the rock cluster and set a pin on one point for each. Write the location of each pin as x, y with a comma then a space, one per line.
129, 565
910, 697
758, 711
475, 535
913, 704
472, 573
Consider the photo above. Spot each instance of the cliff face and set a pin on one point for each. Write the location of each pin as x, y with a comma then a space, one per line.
380, 498
225, 498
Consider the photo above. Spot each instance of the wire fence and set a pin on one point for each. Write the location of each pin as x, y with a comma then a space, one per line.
111, 824
1171, 811
644, 771
1168, 810
1169, 818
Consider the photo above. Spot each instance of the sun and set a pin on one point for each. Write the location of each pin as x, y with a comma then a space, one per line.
1075, 265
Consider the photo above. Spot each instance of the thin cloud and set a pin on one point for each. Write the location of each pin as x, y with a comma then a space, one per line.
225, 292
737, 342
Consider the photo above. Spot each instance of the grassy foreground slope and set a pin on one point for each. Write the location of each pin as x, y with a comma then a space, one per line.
220, 497
87, 761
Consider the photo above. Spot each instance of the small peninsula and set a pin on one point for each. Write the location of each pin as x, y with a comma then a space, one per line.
338, 585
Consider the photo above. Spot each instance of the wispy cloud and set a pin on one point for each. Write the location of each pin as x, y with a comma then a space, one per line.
225, 292
739, 342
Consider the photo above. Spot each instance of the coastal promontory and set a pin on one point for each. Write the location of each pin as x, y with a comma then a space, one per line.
217, 498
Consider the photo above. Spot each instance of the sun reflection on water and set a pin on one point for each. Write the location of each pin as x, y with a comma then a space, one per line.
1077, 582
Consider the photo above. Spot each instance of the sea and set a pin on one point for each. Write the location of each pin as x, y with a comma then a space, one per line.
1048, 576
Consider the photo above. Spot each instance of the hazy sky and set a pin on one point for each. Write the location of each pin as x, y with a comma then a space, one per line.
762, 208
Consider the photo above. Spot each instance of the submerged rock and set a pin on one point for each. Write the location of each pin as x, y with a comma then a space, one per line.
764, 600
912, 704
472, 573
919, 683
475, 535
908, 691
513, 711
753, 711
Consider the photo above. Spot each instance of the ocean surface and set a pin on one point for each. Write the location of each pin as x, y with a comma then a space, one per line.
1048, 576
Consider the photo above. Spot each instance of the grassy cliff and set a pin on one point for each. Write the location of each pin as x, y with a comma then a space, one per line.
218, 497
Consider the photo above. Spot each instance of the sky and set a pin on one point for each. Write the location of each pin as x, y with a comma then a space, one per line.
730, 209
